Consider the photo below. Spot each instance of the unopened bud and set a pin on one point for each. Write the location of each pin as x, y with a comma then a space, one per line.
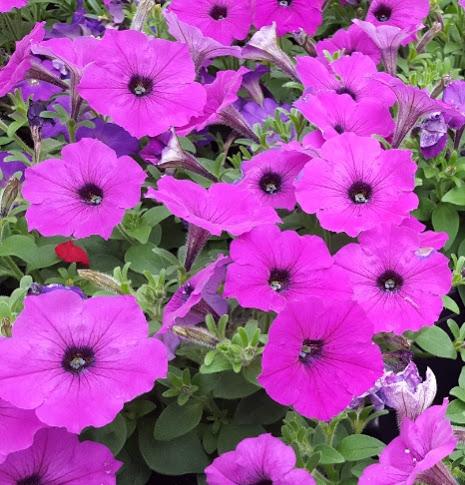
101, 280
10, 192
196, 335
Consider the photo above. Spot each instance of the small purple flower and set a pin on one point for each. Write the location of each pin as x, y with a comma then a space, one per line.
39, 289
433, 135
454, 95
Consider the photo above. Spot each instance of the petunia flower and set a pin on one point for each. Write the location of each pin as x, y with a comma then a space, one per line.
335, 114
454, 95
222, 207
416, 454
17, 429
270, 176
201, 47
39, 289
7, 5
222, 20
260, 460
77, 361
355, 184
433, 135
319, 356
270, 268
251, 83
289, 15
146, 85
84, 193
8, 169
350, 40
352, 75
396, 278
57, 456
70, 253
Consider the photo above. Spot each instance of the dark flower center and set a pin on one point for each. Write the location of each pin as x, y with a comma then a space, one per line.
311, 349
339, 129
140, 85
279, 279
33, 479
263, 482
383, 13
270, 183
346, 90
77, 359
284, 3
390, 281
91, 194
219, 12
360, 192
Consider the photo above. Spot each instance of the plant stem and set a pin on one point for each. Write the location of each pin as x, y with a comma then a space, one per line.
17, 139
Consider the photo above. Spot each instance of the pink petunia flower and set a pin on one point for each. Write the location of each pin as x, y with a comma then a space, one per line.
77, 361
17, 428
20, 62
57, 456
84, 193
355, 184
222, 20
7, 5
350, 40
335, 114
260, 460
416, 454
289, 15
396, 279
271, 268
146, 85
270, 176
353, 75
399, 13
319, 356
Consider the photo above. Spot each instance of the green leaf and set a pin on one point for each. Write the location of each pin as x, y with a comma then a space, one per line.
258, 408
435, 341
455, 196
155, 215
233, 386
177, 420
231, 434
450, 304
456, 411
458, 392
359, 446
328, 455
148, 257
25, 248
445, 218
175, 457
112, 435
462, 378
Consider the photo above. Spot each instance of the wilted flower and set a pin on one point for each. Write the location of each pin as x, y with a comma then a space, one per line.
77, 361
260, 460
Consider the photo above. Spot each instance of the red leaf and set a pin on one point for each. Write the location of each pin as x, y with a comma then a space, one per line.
70, 253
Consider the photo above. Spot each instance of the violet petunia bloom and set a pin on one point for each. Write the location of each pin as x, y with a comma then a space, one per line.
76, 362
7, 5
454, 95
39, 289
201, 47
85, 192
433, 135
350, 40
353, 75
270, 176
20, 62
57, 456
8, 169
196, 297
146, 85
397, 279
17, 429
222, 20
335, 114
319, 356
117, 138
416, 454
270, 268
289, 15
260, 460
355, 184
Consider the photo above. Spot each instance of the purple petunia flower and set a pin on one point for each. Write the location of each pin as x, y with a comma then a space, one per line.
57, 456
7, 5
17, 429
270, 176
39, 289
289, 15
355, 184
260, 460
396, 279
222, 20
454, 95
8, 169
20, 62
350, 40
433, 135
84, 193
320, 356
335, 113
76, 362
416, 453
146, 85
271, 268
